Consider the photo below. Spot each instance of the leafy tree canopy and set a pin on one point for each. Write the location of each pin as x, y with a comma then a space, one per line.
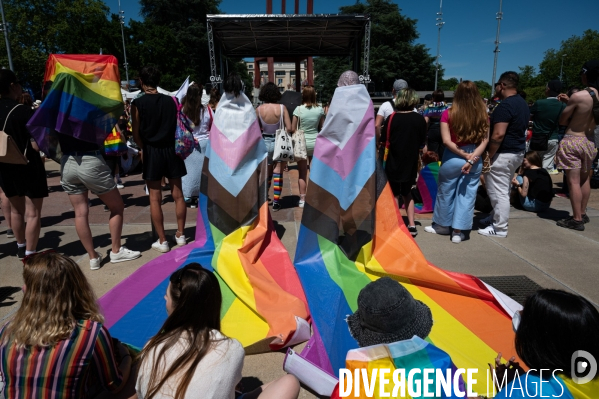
393, 54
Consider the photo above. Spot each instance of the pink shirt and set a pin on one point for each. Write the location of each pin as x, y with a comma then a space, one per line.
445, 119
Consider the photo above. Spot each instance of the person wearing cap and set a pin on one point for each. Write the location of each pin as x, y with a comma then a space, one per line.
387, 313
577, 151
388, 106
509, 122
545, 114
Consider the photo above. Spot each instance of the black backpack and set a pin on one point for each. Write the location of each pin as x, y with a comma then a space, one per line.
595, 105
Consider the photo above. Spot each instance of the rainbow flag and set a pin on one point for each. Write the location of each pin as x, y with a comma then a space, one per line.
427, 184
408, 355
84, 100
264, 306
352, 233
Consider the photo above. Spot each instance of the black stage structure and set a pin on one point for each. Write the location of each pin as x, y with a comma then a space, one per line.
288, 36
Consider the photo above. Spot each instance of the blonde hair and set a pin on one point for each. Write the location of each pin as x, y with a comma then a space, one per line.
57, 295
468, 114
406, 99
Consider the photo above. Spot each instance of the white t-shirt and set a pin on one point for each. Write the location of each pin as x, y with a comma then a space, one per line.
202, 131
385, 110
215, 377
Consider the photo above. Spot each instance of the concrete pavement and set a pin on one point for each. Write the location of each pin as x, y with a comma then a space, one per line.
551, 256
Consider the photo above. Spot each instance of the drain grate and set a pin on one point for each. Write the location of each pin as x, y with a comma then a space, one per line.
516, 287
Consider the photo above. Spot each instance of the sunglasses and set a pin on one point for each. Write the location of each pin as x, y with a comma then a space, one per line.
28, 257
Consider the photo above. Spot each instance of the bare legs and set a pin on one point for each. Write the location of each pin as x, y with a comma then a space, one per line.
302, 168
156, 206
5, 208
114, 202
25, 217
286, 387
408, 202
579, 184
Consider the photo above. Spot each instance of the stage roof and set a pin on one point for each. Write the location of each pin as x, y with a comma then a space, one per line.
287, 35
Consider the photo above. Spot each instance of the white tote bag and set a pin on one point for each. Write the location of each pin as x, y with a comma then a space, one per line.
283, 151
300, 152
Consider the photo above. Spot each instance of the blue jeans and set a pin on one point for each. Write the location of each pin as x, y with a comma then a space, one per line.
456, 192
270, 146
529, 204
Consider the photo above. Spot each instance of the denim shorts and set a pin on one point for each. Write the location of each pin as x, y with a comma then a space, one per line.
270, 146
82, 173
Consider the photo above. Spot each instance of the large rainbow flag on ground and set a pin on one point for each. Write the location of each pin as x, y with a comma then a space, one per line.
264, 306
84, 100
352, 233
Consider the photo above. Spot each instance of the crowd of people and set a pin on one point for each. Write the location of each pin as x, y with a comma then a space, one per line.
59, 324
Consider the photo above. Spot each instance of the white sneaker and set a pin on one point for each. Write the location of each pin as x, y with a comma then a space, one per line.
161, 247
457, 238
491, 232
124, 255
301, 203
436, 229
120, 186
181, 240
94, 264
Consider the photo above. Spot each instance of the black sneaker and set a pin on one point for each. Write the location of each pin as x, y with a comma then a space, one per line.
276, 206
570, 223
20, 252
413, 231
106, 208
585, 218
10, 233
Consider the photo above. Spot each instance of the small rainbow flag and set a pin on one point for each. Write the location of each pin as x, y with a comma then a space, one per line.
427, 184
408, 355
84, 100
352, 233
264, 306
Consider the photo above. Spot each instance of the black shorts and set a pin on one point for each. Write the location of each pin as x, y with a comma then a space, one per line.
162, 162
24, 180
400, 188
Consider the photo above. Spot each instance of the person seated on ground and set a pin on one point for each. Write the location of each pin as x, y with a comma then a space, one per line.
190, 355
553, 325
387, 313
533, 186
56, 345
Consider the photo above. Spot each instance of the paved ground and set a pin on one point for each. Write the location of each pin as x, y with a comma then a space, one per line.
551, 256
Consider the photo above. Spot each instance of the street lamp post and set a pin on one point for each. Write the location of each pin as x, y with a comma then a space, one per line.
561, 70
5, 30
499, 17
440, 24
122, 22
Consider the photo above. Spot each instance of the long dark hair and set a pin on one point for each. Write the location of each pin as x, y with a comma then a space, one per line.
554, 325
192, 103
196, 300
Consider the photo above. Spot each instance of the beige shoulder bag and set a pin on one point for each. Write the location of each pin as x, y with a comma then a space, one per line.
9, 151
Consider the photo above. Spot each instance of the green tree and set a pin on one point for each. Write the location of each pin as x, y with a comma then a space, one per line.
448, 84
173, 37
574, 52
393, 53
484, 88
39, 28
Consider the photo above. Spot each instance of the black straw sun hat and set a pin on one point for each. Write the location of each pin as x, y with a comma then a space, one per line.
387, 313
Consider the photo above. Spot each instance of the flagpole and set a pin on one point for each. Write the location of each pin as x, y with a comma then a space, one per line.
122, 22
5, 29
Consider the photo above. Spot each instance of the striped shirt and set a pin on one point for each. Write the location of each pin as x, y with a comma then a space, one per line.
62, 371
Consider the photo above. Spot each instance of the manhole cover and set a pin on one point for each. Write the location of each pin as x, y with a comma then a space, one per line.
516, 287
